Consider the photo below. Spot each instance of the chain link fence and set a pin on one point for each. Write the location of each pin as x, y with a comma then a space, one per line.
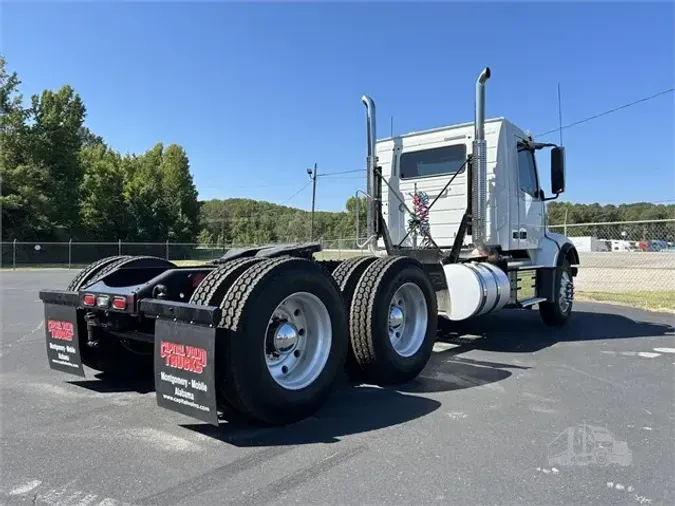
629, 256
615, 257
73, 254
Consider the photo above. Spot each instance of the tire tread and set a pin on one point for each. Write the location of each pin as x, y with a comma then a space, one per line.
121, 263
361, 315
235, 306
361, 311
90, 270
206, 292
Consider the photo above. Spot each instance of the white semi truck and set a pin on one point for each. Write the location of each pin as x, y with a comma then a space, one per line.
262, 333
485, 224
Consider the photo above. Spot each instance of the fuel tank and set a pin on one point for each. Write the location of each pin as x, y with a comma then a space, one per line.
475, 289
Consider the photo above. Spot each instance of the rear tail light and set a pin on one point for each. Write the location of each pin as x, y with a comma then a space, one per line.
119, 303
89, 299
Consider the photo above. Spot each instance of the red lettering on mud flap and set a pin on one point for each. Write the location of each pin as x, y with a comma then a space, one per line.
63, 331
186, 358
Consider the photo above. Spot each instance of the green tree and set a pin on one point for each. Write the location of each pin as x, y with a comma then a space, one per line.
23, 197
103, 209
149, 217
56, 142
180, 193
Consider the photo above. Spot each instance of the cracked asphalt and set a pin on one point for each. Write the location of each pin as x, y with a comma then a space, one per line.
496, 418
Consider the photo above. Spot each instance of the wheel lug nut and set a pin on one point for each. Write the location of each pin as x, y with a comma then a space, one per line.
296, 353
284, 369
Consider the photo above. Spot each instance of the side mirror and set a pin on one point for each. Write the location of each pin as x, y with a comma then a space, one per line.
558, 170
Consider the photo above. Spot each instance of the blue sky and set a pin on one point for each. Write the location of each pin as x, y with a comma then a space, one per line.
258, 92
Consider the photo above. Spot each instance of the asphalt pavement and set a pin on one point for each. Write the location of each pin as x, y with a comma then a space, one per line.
496, 418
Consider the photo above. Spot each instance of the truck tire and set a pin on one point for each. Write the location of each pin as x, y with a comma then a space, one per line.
286, 340
557, 313
393, 320
212, 288
113, 356
128, 261
210, 292
347, 275
86, 274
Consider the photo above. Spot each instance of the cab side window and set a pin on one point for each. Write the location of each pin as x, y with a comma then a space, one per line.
527, 172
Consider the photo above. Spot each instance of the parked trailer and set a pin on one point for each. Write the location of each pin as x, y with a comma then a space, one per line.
262, 333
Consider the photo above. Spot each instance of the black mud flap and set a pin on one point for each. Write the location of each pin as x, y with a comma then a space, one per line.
185, 379
63, 344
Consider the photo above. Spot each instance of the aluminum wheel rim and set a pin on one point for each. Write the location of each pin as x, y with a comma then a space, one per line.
407, 319
298, 341
565, 295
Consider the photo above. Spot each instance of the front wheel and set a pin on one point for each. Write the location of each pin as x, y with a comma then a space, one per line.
557, 313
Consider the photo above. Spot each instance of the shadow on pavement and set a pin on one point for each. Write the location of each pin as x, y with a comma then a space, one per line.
106, 385
359, 409
522, 331
446, 372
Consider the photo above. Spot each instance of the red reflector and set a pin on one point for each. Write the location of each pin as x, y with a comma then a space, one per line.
119, 303
197, 279
89, 299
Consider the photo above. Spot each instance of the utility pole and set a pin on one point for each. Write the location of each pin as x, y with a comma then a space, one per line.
312, 176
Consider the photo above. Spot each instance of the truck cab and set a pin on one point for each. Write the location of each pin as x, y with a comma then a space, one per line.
424, 162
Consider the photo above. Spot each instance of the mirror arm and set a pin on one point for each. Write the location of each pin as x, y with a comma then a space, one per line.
550, 198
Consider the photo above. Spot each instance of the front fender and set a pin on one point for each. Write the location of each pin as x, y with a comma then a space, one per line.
566, 250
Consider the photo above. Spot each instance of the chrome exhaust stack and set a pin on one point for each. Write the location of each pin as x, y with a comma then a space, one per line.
372, 218
479, 172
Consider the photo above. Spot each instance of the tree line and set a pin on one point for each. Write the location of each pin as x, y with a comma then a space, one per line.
245, 221
559, 213
61, 181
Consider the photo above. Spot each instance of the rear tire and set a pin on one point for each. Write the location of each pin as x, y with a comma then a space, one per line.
558, 312
127, 261
347, 275
86, 274
216, 283
270, 372
210, 292
393, 321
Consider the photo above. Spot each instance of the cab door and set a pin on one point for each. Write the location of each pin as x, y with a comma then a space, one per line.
530, 205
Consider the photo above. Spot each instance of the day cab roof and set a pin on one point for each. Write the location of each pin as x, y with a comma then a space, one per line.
453, 132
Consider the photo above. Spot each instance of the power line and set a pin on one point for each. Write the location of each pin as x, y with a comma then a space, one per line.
344, 178
329, 174
253, 187
624, 106
296, 193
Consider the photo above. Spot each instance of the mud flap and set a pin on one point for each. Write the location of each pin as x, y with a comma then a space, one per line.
63, 344
185, 379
